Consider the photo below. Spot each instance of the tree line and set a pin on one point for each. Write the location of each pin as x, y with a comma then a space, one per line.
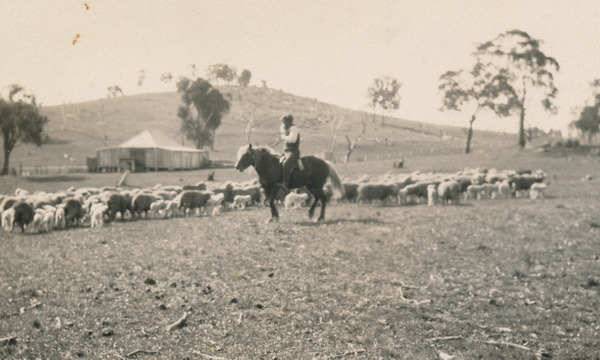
508, 71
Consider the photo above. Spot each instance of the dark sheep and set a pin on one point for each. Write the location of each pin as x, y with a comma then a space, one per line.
350, 191
141, 204
193, 199
118, 203
73, 211
7, 203
24, 214
374, 191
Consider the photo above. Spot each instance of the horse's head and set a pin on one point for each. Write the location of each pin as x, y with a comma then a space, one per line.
245, 158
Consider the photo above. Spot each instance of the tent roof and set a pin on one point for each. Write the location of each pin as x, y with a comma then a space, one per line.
154, 139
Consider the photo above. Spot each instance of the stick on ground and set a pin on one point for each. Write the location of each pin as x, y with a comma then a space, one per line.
209, 356
140, 351
179, 323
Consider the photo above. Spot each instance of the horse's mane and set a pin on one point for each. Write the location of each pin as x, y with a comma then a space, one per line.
262, 150
267, 150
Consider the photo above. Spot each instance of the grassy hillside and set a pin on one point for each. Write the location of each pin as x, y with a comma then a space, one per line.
77, 130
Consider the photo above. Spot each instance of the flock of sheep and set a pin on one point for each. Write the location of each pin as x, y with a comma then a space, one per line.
43, 212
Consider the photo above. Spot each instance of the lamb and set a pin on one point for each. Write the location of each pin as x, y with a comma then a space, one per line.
537, 190
504, 188
97, 215
432, 195
241, 201
48, 220
59, 218
37, 224
215, 202
157, 206
474, 191
8, 218
295, 200
449, 192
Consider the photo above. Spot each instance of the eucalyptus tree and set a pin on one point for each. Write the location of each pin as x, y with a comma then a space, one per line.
482, 88
20, 120
202, 110
524, 69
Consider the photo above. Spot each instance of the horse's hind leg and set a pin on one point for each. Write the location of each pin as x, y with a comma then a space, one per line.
319, 195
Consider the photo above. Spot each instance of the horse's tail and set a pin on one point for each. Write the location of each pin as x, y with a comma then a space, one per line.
336, 181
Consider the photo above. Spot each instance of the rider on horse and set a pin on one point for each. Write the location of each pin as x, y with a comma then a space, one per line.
291, 147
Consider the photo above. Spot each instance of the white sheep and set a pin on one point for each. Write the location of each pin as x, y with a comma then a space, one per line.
215, 202
48, 220
157, 206
8, 219
431, 195
294, 200
241, 201
97, 215
504, 189
60, 221
537, 190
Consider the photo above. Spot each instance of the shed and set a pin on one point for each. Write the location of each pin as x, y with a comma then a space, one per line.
150, 150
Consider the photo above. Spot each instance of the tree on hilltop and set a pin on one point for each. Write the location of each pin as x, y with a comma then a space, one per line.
523, 69
20, 120
243, 81
223, 72
385, 92
202, 110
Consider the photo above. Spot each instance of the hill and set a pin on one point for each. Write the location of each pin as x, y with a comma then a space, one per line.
77, 130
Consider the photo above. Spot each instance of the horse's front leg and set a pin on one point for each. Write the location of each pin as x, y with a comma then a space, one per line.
271, 194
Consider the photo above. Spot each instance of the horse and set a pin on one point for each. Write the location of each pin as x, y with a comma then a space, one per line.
267, 164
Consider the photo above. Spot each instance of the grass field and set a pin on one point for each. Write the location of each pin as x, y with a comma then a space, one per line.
511, 279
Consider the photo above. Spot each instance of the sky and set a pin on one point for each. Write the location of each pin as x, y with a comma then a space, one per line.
70, 51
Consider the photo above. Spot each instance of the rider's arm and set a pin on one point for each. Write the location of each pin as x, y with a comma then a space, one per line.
292, 136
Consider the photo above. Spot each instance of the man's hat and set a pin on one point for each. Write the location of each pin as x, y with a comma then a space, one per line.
288, 119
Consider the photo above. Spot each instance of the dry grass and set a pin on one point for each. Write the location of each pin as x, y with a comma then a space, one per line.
489, 279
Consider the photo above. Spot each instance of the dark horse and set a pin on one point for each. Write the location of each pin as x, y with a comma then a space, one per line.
267, 165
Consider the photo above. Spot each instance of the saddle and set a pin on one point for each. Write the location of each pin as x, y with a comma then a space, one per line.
299, 163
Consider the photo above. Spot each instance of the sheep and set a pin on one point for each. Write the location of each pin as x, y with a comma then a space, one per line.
504, 188
141, 204
8, 218
295, 200
521, 184
489, 191
23, 214
431, 195
157, 207
375, 191
350, 191
193, 199
73, 212
215, 202
37, 224
48, 220
449, 192
97, 215
241, 201
171, 207
537, 190
59, 218
474, 191
118, 203
418, 190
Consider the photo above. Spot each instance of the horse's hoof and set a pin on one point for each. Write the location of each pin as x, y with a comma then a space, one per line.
273, 219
